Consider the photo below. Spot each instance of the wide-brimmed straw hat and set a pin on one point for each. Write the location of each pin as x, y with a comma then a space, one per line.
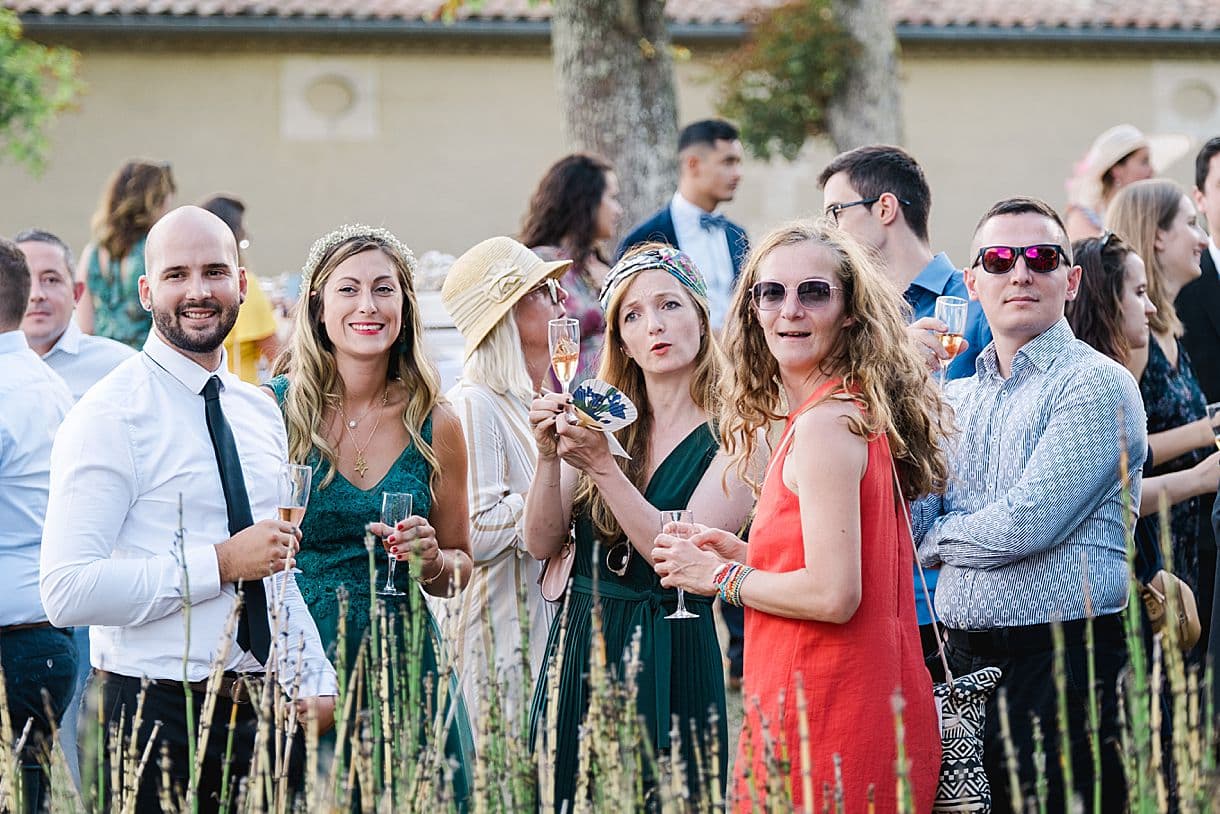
1113, 146
487, 281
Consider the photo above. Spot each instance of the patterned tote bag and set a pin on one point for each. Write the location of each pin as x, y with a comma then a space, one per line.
962, 709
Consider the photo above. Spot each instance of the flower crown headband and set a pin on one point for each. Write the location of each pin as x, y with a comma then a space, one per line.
667, 258
325, 244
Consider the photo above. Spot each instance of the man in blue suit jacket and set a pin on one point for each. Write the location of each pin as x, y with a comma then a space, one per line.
709, 154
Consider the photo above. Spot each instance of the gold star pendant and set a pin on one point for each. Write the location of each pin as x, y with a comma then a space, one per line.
361, 465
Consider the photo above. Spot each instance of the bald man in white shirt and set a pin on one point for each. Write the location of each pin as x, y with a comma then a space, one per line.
172, 428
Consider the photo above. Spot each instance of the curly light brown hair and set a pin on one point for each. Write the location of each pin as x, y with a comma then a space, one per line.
131, 203
873, 356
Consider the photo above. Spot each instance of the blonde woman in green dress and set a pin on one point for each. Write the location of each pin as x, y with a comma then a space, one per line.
362, 406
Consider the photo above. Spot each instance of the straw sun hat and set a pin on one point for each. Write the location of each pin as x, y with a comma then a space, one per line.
1113, 146
487, 281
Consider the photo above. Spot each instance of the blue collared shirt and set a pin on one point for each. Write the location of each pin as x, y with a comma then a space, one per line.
82, 359
1033, 525
940, 278
33, 401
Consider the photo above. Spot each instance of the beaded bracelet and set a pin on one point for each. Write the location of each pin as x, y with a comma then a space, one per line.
728, 579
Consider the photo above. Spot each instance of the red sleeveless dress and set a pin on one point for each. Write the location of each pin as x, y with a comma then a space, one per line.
849, 674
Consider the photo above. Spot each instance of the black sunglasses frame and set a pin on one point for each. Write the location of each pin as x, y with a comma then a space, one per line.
833, 210
755, 297
1019, 252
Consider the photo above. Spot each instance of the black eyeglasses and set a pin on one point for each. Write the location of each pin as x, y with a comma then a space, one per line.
833, 210
551, 286
770, 295
1040, 257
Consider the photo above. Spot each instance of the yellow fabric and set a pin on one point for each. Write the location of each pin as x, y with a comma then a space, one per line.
255, 322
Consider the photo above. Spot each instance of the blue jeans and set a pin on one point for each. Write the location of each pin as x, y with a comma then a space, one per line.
34, 660
68, 729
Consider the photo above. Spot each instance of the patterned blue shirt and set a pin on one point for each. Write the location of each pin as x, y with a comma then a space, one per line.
940, 278
1034, 518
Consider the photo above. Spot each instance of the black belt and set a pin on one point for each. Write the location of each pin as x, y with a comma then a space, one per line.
31, 626
1008, 641
233, 686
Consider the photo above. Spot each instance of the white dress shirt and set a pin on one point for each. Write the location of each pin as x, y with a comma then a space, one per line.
1215, 253
709, 248
130, 452
83, 359
33, 400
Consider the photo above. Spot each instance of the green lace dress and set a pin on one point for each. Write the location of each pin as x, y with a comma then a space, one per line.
333, 558
681, 672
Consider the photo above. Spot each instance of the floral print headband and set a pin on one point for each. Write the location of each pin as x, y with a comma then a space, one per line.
667, 258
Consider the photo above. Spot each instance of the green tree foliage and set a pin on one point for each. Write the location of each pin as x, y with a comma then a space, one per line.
36, 83
778, 84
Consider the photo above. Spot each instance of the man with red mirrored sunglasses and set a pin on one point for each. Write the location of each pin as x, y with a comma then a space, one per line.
1031, 531
878, 194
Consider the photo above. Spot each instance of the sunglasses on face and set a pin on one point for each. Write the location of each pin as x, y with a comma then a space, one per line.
551, 286
770, 295
1041, 257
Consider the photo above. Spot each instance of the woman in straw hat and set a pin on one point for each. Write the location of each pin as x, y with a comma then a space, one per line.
661, 353
1119, 156
817, 331
501, 296
363, 408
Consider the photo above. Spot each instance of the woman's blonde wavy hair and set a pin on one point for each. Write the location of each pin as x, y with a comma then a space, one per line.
1136, 214
130, 204
309, 362
620, 370
873, 356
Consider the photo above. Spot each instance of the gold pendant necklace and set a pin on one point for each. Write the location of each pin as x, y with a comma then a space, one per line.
361, 465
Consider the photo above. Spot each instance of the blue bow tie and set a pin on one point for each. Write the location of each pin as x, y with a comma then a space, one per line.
710, 220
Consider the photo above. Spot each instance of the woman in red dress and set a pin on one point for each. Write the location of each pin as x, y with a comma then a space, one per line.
832, 644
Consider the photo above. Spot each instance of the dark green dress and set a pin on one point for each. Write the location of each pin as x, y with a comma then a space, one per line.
333, 557
681, 670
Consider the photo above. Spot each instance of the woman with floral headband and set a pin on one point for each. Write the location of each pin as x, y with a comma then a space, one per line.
363, 407
660, 352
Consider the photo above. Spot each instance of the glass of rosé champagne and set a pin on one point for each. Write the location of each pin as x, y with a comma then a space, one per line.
952, 312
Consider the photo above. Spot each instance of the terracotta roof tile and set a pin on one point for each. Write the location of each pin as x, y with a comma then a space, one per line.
1137, 14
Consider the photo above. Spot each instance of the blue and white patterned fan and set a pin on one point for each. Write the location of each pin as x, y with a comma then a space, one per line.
603, 406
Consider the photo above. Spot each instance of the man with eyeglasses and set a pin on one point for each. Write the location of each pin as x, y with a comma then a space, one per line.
878, 194
1031, 530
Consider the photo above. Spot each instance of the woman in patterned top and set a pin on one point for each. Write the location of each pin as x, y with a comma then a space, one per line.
1159, 221
136, 197
573, 211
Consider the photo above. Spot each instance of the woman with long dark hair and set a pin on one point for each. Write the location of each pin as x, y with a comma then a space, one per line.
573, 211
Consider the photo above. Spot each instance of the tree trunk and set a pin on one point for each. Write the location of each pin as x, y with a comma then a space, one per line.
616, 90
868, 109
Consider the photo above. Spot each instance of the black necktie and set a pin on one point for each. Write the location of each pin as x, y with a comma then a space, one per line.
253, 631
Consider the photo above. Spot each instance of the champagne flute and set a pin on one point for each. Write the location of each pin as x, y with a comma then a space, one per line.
294, 484
395, 507
687, 517
563, 335
952, 312
1213, 418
